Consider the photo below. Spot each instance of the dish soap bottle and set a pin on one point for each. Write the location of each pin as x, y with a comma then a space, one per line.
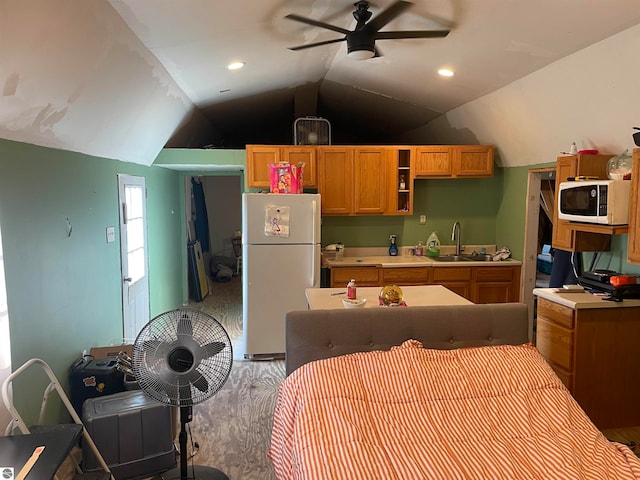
393, 248
433, 245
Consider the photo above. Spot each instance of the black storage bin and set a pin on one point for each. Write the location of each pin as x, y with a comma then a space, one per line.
133, 434
93, 378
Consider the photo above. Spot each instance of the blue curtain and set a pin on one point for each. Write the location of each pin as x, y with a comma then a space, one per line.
199, 214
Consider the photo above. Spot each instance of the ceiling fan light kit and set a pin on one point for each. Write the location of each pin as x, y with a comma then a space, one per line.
361, 40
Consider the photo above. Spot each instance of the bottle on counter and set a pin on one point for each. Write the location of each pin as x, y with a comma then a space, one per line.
393, 248
351, 289
339, 251
419, 249
433, 245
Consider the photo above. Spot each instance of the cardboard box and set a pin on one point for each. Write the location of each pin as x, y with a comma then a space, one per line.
286, 177
110, 351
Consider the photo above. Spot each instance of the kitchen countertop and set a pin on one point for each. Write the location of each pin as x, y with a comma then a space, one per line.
582, 300
416, 295
410, 261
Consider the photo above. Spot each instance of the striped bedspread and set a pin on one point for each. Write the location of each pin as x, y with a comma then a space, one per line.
413, 413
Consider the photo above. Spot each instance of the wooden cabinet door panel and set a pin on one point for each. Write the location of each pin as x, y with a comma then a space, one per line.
492, 292
258, 159
461, 288
555, 343
302, 154
364, 276
369, 180
444, 274
434, 162
473, 161
405, 276
335, 177
557, 313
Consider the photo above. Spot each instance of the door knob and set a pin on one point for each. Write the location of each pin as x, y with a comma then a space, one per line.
127, 279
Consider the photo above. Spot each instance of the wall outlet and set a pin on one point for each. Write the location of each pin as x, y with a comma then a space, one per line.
111, 234
423, 219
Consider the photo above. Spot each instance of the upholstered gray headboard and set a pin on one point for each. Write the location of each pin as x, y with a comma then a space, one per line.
316, 334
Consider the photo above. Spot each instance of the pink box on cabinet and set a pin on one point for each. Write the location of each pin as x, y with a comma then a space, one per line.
286, 177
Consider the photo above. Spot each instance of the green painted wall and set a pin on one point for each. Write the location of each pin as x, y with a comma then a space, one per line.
473, 202
64, 291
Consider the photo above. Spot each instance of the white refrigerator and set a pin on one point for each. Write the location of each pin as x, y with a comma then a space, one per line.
280, 259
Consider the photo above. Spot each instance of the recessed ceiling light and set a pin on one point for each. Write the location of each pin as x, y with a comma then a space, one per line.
235, 65
445, 72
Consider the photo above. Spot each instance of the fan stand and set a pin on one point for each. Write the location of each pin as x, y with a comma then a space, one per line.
182, 472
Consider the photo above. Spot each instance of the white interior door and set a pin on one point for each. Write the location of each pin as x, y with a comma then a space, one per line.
133, 252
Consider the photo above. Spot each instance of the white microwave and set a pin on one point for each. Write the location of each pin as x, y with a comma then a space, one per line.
595, 201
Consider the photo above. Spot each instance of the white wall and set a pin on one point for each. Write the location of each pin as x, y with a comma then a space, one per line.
76, 78
591, 97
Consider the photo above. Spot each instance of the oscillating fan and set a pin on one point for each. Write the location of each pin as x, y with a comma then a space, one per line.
183, 357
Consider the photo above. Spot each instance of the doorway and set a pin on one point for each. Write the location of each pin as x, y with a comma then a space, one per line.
538, 231
223, 207
134, 254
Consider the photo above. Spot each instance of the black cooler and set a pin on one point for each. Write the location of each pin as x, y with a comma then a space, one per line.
93, 378
133, 434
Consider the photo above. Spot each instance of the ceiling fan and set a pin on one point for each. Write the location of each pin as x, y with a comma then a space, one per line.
361, 40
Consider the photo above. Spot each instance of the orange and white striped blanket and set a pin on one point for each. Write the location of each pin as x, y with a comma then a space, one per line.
413, 413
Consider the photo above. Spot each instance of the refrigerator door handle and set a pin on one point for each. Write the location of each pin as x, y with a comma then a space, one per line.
315, 215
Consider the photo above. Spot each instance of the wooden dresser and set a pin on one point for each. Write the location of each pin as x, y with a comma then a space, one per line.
593, 345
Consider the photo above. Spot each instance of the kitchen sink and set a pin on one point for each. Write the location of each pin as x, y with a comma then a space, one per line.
480, 258
451, 258
464, 258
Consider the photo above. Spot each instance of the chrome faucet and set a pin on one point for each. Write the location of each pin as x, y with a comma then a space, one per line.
455, 236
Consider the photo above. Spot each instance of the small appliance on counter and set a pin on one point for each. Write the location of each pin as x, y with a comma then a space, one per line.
609, 281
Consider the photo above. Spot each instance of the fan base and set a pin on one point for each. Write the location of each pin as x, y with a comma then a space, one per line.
196, 472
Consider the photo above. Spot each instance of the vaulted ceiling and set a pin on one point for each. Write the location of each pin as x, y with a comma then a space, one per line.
124, 78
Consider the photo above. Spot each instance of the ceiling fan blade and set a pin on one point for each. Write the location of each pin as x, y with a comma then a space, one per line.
387, 15
316, 23
317, 44
412, 34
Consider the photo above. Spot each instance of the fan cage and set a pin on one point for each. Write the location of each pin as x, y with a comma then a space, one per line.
190, 333
312, 131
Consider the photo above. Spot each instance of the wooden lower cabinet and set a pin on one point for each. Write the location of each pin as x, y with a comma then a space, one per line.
475, 283
364, 276
405, 276
594, 352
456, 279
495, 284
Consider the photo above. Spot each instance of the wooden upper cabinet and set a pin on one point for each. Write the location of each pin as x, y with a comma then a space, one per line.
400, 174
633, 239
335, 180
451, 161
369, 180
434, 161
473, 161
260, 156
564, 237
303, 154
258, 159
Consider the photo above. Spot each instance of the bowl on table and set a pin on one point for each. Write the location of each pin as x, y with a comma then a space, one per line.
355, 303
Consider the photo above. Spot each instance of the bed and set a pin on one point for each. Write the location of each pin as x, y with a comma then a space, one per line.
430, 392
